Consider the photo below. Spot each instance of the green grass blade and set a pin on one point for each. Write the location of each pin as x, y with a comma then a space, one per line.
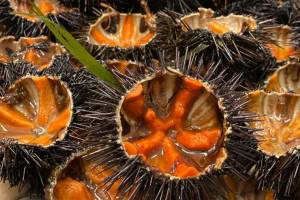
75, 48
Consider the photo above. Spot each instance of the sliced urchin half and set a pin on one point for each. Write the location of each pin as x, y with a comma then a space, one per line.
43, 117
36, 111
172, 134
277, 107
119, 35
38, 51
19, 20
80, 178
235, 39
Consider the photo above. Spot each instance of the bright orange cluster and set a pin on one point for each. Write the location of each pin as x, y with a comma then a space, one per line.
171, 161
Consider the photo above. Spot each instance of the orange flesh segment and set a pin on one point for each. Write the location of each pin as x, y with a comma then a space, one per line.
4, 58
127, 34
130, 148
70, 189
31, 56
121, 66
60, 122
185, 171
202, 140
171, 161
13, 118
149, 143
217, 27
134, 103
101, 39
135, 93
281, 52
46, 101
46, 7
144, 40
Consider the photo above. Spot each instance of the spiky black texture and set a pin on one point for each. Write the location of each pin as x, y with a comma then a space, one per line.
262, 9
136, 180
182, 6
22, 164
18, 26
240, 53
281, 174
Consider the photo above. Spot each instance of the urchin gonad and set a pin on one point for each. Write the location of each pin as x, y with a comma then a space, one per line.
172, 129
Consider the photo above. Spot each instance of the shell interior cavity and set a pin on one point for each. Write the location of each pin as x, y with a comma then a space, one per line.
219, 25
36, 111
22, 8
284, 48
285, 79
121, 30
24, 50
279, 120
175, 124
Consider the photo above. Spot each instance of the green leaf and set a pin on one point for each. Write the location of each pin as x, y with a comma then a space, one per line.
78, 51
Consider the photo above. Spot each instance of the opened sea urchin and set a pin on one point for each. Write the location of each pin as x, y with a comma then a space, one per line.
170, 134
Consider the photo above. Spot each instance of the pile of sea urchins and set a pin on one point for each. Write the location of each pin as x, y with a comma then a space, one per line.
207, 107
